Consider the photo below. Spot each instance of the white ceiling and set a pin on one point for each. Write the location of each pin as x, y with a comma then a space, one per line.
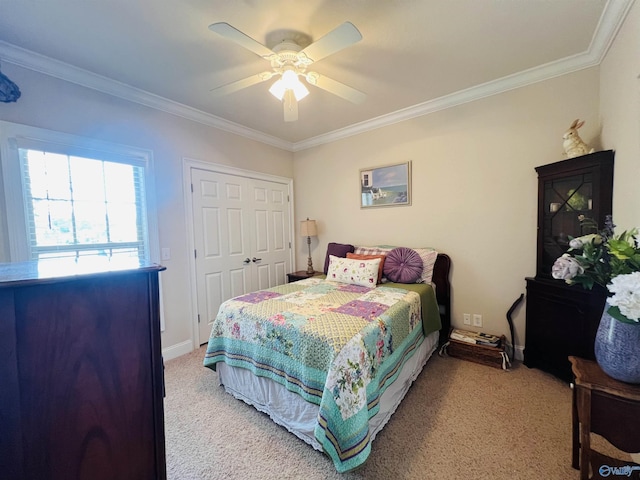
416, 56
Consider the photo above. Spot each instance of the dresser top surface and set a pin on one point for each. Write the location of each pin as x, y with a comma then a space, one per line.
18, 273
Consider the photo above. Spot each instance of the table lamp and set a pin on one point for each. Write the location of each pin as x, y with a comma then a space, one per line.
309, 229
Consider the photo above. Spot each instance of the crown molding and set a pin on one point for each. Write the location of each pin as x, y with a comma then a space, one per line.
504, 84
615, 11
612, 17
39, 63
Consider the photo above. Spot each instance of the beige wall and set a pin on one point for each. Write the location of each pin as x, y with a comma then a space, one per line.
57, 105
474, 188
620, 118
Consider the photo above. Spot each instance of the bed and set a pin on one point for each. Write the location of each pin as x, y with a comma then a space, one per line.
331, 360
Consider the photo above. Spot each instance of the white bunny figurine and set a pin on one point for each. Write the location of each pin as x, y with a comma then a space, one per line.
572, 143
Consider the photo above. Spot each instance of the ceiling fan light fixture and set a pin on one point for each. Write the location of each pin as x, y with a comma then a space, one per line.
290, 59
290, 78
289, 81
278, 89
300, 91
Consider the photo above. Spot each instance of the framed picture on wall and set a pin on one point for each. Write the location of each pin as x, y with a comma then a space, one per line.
386, 186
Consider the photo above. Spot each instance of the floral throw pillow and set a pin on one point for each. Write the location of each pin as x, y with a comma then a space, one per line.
355, 256
353, 271
337, 249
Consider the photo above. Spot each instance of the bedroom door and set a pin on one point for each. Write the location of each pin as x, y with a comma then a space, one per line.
241, 236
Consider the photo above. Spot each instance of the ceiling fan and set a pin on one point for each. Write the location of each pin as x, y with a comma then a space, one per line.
290, 61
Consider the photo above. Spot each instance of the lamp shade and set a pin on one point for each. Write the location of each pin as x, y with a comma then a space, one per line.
289, 81
308, 228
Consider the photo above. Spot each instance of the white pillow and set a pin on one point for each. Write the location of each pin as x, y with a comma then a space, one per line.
353, 271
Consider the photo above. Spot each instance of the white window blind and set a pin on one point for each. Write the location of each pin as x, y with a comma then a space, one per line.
77, 206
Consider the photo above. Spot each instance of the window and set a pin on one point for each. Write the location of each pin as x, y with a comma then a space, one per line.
72, 197
81, 206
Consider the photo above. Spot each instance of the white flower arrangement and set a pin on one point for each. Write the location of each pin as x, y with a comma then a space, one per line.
612, 261
626, 295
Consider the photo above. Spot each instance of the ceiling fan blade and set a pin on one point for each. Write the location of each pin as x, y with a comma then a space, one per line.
290, 105
244, 83
242, 39
335, 87
334, 41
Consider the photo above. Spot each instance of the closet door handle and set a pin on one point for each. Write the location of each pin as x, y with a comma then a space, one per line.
256, 259
246, 260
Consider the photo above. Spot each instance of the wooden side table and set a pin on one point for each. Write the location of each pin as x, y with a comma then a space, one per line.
608, 408
300, 275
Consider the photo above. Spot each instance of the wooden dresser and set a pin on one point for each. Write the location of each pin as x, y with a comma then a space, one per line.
81, 374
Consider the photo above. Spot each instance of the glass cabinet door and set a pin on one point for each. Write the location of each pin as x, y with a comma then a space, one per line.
574, 196
568, 205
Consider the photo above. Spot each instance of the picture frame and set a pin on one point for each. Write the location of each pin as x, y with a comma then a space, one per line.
386, 186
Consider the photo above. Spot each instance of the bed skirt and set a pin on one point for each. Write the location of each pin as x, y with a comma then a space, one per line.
299, 416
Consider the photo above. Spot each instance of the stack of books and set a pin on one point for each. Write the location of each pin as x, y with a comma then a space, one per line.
475, 338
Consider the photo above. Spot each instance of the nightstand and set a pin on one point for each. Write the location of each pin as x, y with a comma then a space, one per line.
608, 408
300, 275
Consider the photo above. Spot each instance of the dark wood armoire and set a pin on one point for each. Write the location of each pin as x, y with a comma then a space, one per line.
562, 320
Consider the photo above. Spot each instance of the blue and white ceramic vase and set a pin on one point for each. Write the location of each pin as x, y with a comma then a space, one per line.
617, 348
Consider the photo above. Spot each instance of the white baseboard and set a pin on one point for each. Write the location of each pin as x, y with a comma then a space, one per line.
175, 351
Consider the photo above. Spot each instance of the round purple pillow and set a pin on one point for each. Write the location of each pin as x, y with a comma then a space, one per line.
403, 265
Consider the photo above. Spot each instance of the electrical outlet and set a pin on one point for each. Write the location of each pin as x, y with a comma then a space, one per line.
467, 318
477, 320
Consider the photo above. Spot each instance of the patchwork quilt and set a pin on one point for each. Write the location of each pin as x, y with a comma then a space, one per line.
335, 344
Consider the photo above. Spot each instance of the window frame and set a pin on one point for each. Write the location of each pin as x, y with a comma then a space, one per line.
15, 136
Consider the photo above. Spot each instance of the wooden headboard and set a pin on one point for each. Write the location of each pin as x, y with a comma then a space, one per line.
441, 271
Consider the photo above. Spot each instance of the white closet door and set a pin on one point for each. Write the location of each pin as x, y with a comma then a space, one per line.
270, 247
241, 235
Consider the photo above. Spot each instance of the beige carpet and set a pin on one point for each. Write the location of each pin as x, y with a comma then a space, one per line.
459, 420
